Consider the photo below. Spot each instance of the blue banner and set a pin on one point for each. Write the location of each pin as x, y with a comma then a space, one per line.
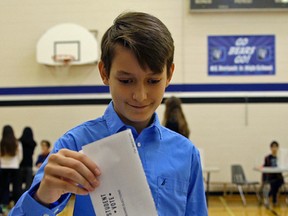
241, 55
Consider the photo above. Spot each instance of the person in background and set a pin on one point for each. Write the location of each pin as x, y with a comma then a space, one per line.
26, 165
11, 156
274, 179
45, 150
174, 118
137, 64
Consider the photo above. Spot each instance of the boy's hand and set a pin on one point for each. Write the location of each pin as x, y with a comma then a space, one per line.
67, 172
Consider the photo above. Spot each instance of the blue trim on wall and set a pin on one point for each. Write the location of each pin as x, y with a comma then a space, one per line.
52, 90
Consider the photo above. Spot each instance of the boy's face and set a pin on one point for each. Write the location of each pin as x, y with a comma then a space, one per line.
44, 148
136, 92
274, 150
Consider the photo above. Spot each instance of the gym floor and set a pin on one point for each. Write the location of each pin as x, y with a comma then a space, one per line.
229, 205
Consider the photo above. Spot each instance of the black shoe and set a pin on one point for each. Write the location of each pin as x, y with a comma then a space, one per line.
276, 204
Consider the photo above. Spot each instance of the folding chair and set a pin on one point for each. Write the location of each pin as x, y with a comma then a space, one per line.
239, 179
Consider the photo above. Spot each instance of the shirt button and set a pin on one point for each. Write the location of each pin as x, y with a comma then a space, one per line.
139, 144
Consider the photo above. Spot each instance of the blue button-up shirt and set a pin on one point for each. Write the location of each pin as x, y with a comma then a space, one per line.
170, 161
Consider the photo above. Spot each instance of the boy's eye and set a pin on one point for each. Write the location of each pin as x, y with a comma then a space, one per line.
154, 81
125, 81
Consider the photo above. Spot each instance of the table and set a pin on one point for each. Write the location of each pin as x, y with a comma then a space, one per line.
209, 170
271, 169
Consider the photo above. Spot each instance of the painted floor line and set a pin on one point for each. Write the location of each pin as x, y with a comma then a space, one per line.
226, 206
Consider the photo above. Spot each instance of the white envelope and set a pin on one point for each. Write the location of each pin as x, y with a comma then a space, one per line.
123, 189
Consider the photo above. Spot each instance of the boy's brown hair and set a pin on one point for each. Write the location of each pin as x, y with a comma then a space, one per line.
145, 35
274, 143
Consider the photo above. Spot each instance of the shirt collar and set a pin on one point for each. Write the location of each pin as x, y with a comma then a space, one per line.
156, 125
115, 124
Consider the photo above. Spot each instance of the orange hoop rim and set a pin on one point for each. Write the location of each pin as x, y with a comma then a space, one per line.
63, 59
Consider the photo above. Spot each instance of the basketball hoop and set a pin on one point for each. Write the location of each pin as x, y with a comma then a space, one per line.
63, 60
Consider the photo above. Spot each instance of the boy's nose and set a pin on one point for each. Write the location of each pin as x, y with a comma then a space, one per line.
140, 93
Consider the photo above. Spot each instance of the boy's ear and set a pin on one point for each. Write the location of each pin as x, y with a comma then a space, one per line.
103, 73
171, 71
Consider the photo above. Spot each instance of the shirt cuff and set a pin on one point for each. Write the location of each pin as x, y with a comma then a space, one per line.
31, 205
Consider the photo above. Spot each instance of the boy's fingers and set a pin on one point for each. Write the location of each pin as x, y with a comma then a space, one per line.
74, 169
83, 158
60, 187
72, 176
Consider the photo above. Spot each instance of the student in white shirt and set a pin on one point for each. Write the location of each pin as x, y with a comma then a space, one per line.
11, 156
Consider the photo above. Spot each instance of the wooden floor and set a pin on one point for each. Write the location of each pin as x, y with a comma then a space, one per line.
229, 205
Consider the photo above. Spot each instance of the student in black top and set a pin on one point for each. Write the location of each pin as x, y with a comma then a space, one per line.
10, 157
26, 164
274, 179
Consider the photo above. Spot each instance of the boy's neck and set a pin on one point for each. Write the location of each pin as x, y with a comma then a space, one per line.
139, 127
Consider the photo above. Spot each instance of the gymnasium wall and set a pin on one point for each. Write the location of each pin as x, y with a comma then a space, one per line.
228, 133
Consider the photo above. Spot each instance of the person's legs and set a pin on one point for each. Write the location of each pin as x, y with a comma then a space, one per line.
17, 190
22, 177
4, 191
275, 185
265, 192
29, 178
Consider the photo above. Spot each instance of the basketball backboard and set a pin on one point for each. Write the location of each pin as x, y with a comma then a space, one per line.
67, 42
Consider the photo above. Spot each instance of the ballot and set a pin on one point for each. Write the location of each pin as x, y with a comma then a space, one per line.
123, 189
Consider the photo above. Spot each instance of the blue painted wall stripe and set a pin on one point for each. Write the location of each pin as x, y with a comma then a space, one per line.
53, 90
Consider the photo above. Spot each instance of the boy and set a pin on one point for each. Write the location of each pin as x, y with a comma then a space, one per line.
137, 64
45, 150
274, 179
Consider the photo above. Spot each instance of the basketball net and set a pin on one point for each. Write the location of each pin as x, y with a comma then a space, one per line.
62, 64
